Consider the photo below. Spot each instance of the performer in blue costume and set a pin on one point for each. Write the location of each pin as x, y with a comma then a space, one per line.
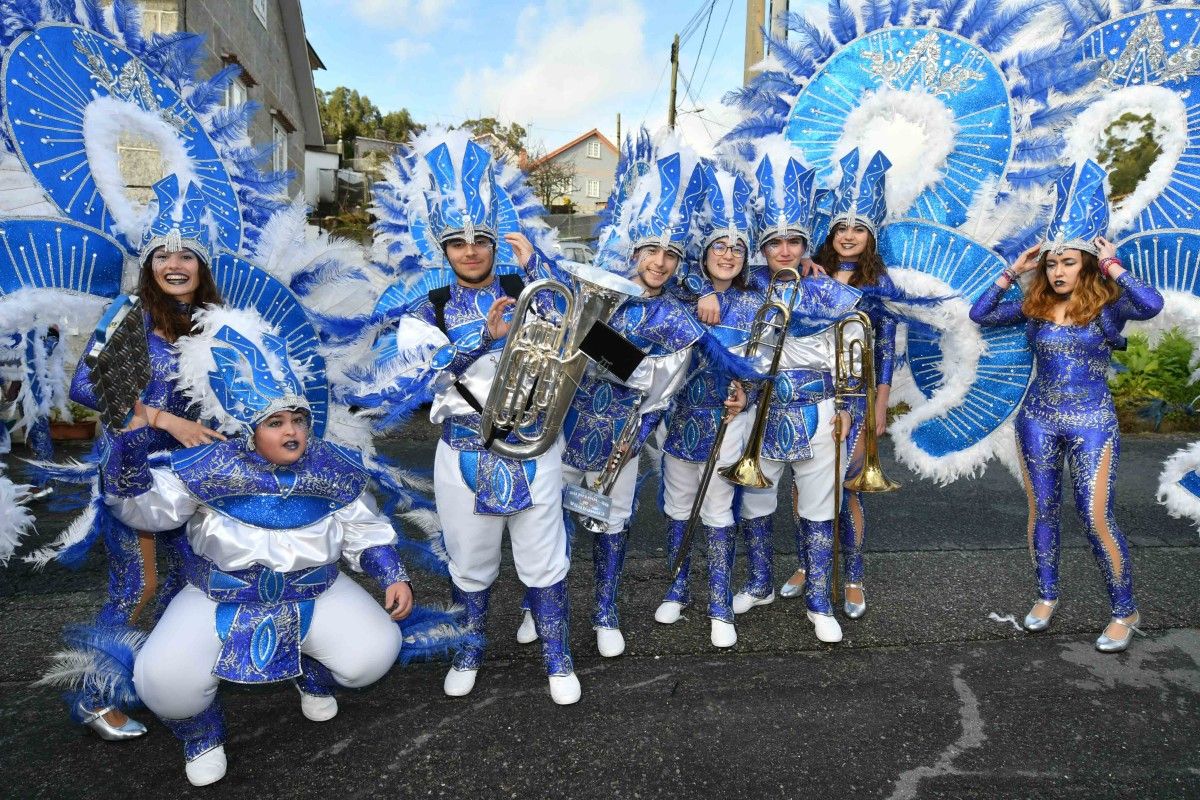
1073, 310
479, 494
649, 238
849, 255
267, 516
723, 240
799, 431
174, 278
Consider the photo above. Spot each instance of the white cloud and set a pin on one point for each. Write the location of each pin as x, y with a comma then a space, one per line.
418, 15
405, 49
572, 65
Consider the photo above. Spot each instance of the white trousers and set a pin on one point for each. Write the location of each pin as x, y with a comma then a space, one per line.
622, 491
350, 633
681, 479
539, 539
814, 478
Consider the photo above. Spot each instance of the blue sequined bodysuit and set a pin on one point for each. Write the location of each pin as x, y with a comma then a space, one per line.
1068, 413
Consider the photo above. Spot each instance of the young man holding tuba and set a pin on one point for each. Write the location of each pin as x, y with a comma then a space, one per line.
480, 494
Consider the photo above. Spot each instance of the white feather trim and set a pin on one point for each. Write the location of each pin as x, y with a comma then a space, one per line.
913, 128
962, 345
1170, 131
15, 519
106, 121
196, 359
1180, 503
76, 532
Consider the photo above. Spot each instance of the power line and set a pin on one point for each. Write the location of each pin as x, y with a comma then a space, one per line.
703, 38
717, 47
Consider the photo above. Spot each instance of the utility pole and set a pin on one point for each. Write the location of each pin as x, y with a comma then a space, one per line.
755, 20
674, 79
618, 130
779, 10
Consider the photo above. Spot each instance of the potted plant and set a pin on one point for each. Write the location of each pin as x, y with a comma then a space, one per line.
82, 426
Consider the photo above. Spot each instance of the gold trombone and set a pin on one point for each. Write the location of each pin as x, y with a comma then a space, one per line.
773, 317
854, 376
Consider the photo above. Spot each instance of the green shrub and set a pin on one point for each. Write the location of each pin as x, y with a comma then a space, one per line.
1155, 381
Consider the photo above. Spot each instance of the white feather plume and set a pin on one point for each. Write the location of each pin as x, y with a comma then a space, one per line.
1179, 502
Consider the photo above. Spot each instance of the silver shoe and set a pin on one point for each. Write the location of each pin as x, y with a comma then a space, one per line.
1107, 645
109, 732
855, 610
789, 590
1034, 623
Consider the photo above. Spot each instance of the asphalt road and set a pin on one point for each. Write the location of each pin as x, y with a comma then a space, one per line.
927, 696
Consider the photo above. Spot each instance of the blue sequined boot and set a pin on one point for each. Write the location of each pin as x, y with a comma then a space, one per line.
460, 680
608, 558
203, 738
720, 583
551, 614
317, 687
818, 539
759, 534
678, 593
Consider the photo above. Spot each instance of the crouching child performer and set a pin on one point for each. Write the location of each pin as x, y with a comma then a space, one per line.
268, 513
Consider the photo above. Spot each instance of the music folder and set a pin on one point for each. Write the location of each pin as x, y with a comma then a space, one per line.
611, 351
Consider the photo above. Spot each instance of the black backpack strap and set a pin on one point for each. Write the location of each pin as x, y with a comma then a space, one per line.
512, 284
438, 298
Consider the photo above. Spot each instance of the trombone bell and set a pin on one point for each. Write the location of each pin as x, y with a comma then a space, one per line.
746, 471
871, 480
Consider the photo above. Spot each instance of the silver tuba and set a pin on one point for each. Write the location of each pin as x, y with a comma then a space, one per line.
541, 365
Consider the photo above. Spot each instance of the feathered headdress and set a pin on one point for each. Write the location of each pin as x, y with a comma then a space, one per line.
663, 194
1080, 211
784, 193
861, 201
237, 370
726, 210
461, 196
179, 223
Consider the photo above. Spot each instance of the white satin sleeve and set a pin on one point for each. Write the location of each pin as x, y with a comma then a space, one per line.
659, 378
166, 506
363, 528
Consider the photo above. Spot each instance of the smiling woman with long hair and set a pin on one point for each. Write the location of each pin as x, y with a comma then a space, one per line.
174, 278
1074, 308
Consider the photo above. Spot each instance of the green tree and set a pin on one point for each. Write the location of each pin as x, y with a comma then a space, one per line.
511, 136
346, 115
1130, 149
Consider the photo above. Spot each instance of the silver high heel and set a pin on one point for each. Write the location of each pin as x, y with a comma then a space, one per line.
855, 610
1107, 645
1034, 623
109, 732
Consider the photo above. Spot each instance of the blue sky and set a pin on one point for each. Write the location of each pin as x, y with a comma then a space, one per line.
559, 67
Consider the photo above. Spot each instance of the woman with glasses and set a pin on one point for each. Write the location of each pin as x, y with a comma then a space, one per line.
697, 409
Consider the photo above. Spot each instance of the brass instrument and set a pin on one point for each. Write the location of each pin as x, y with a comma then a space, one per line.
854, 376
693, 522
541, 364
747, 471
621, 452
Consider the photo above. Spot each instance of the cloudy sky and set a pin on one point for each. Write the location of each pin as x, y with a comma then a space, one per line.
559, 67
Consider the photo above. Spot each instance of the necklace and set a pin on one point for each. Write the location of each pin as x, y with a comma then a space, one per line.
847, 266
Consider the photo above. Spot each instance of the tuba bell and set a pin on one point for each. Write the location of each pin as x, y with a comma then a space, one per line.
541, 365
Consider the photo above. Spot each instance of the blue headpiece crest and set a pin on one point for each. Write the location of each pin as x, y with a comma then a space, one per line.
461, 197
1080, 211
727, 202
180, 222
670, 193
244, 382
785, 196
865, 204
